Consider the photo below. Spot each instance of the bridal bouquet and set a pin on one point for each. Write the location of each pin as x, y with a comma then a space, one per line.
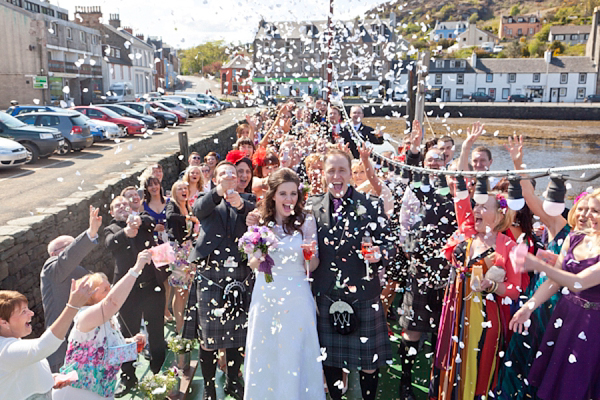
257, 242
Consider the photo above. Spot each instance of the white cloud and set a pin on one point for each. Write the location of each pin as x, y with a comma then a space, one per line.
185, 23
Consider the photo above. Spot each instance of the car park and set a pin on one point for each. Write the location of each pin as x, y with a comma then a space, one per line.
519, 98
191, 111
125, 111
38, 141
130, 125
180, 114
225, 104
104, 130
202, 98
71, 124
163, 118
189, 102
12, 154
480, 96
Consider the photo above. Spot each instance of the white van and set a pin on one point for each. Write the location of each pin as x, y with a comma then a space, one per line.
120, 91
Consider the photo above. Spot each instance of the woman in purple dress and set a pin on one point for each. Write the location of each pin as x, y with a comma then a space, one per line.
567, 364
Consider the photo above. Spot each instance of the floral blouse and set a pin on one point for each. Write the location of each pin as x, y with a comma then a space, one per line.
86, 355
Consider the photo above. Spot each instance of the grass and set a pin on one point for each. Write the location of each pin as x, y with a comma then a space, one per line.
388, 383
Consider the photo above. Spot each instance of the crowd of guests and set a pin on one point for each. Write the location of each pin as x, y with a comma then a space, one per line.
506, 319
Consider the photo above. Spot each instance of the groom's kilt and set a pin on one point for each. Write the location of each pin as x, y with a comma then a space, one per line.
349, 351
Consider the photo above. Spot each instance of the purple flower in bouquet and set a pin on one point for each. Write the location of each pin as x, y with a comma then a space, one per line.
258, 241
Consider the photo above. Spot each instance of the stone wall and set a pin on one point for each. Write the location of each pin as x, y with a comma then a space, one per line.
23, 241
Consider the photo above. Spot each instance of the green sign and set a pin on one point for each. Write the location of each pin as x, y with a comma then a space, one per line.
40, 82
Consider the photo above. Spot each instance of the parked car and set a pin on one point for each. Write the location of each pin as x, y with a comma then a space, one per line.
104, 130
225, 104
71, 124
592, 98
12, 154
130, 125
188, 101
164, 118
38, 141
203, 99
181, 115
480, 96
191, 111
17, 110
498, 48
125, 111
120, 91
519, 98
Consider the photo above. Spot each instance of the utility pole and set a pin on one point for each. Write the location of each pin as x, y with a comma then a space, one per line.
329, 67
422, 72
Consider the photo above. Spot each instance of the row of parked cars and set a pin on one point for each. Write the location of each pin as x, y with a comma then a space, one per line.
31, 131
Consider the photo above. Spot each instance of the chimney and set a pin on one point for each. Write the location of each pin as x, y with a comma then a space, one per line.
548, 56
392, 19
128, 29
88, 16
115, 21
473, 60
140, 36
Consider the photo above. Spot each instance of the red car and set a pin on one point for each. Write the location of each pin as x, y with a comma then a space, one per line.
181, 117
130, 125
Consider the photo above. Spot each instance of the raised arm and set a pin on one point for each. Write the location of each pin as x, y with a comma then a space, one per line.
101, 312
535, 204
278, 123
472, 136
365, 153
310, 239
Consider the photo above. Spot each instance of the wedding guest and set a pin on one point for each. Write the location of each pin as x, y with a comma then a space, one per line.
66, 254
193, 177
154, 204
264, 164
243, 166
133, 198
206, 177
24, 370
211, 159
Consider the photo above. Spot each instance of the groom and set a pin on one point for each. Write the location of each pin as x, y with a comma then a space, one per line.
359, 338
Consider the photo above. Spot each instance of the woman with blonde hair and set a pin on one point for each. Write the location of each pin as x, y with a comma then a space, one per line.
193, 177
94, 341
566, 364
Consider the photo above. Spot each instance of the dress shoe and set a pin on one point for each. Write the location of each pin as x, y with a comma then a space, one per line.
406, 392
125, 386
234, 388
210, 393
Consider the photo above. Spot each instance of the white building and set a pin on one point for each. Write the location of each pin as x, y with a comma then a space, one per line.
474, 36
549, 79
570, 34
142, 58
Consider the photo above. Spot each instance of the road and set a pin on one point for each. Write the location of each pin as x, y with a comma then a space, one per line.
196, 84
25, 190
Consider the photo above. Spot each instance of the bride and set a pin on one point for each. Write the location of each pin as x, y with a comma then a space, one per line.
282, 346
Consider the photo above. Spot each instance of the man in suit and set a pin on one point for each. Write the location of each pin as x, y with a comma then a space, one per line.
338, 133
319, 114
66, 253
222, 213
125, 237
365, 132
344, 216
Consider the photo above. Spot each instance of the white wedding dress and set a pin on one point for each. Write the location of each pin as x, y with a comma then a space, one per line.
282, 346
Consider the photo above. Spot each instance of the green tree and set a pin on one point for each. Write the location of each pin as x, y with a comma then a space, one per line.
473, 18
194, 60
513, 50
557, 45
514, 11
543, 34
536, 48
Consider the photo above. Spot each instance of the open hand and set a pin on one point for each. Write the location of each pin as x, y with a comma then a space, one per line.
515, 149
519, 320
80, 294
253, 218
95, 221
416, 135
473, 134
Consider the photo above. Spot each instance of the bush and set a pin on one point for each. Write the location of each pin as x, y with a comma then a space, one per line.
514, 11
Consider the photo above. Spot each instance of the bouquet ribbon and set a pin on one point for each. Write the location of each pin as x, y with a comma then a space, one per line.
266, 266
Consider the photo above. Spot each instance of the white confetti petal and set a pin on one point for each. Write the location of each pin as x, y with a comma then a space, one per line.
572, 359
582, 336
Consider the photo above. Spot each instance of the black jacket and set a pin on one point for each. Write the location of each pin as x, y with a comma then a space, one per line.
177, 223
366, 133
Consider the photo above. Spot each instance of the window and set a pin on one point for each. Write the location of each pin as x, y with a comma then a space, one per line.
94, 113
582, 78
489, 77
94, 39
481, 38
377, 50
117, 53
532, 20
29, 6
452, 63
48, 120
510, 20
564, 78
586, 36
460, 79
492, 93
574, 37
54, 27
438, 79
520, 32
29, 120
581, 93
463, 64
510, 32
563, 92
15, 2
439, 64
69, 33
536, 77
288, 46
512, 78
63, 16
531, 30
520, 19
559, 37
48, 11
459, 94
82, 36
505, 93
355, 70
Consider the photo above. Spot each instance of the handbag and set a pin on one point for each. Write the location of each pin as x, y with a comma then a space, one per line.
117, 355
343, 318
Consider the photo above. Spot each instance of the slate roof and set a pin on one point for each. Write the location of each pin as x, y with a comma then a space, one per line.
570, 29
534, 65
238, 62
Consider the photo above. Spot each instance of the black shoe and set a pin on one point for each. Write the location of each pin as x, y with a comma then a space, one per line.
125, 387
391, 315
234, 388
406, 392
210, 393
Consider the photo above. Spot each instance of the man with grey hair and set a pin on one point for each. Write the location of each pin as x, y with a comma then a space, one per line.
366, 132
66, 253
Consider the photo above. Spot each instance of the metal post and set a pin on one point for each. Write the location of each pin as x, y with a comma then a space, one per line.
422, 72
184, 148
329, 67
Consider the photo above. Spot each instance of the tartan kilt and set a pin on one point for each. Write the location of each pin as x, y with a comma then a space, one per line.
349, 351
214, 332
421, 307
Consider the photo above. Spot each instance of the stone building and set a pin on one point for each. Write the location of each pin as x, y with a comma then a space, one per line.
166, 62
42, 42
519, 26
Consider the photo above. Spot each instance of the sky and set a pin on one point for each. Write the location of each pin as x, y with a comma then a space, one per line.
187, 23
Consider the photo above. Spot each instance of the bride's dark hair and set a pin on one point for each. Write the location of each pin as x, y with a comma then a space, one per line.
267, 206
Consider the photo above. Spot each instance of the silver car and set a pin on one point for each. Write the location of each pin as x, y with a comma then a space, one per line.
12, 154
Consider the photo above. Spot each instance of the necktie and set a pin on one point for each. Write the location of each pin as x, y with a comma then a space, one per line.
337, 208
